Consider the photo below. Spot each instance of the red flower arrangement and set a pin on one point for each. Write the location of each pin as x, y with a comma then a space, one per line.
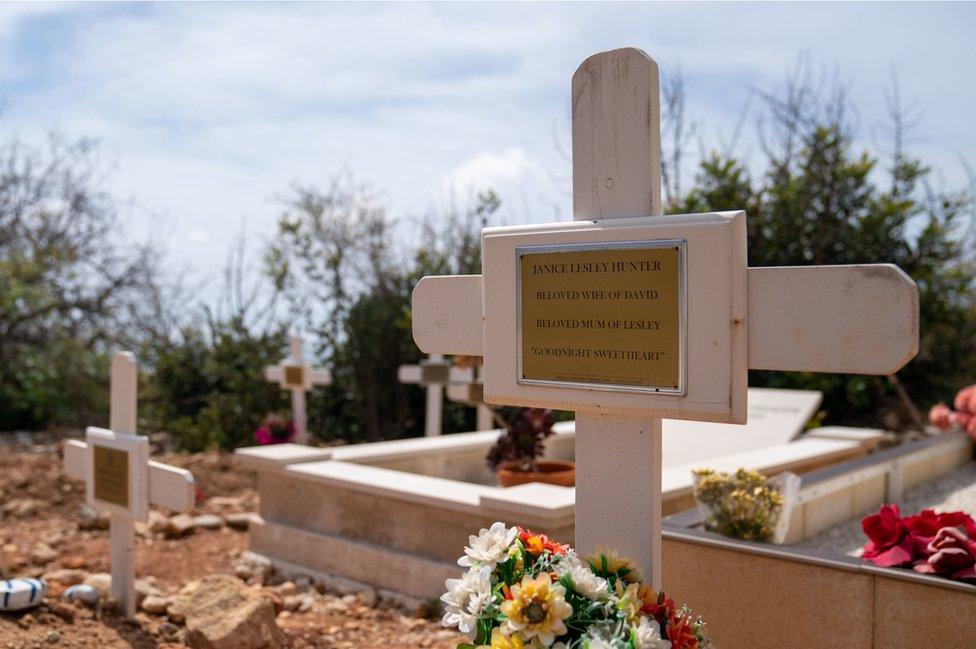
963, 417
274, 430
931, 543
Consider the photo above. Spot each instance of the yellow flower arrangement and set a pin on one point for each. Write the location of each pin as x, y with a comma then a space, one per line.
537, 609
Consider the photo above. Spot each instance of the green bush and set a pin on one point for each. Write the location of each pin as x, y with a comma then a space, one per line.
823, 202
208, 390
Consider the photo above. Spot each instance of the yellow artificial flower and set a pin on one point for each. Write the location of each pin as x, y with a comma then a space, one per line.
629, 601
607, 561
501, 641
537, 610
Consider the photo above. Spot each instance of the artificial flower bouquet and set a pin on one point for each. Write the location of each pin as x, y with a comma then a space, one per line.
930, 543
525, 591
746, 504
275, 429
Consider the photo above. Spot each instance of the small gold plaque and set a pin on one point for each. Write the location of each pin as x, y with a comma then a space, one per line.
608, 316
111, 475
294, 376
437, 372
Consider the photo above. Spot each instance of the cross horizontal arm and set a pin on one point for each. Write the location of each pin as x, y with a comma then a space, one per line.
454, 375
169, 486
858, 319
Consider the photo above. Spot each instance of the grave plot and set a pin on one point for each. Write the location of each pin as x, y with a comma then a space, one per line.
365, 510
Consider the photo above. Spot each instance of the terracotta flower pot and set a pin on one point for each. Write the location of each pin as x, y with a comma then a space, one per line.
557, 472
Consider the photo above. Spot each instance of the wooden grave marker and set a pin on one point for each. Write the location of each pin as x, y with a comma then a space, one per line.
121, 479
627, 316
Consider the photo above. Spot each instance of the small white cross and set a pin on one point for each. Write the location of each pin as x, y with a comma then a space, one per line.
463, 386
120, 478
296, 375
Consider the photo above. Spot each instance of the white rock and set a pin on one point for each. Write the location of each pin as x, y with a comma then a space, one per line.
83, 593
42, 554
239, 521
208, 522
221, 613
66, 576
102, 581
90, 519
155, 604
180, 525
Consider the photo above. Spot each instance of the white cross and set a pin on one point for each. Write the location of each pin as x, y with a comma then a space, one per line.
298, 376
463, 386
472, 393
720, 317
119, 477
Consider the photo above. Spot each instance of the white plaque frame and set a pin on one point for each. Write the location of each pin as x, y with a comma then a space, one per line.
137, 448
716, 303
680, 244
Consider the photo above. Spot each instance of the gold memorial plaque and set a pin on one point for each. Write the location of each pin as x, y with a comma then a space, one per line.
294, 376
436, 372
111, 475
607, 316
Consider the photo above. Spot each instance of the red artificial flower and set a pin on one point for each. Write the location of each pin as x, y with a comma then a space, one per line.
536, 544
966, 400
927, 523
952, 554
890, 543
656, 605
681, 632
941, 416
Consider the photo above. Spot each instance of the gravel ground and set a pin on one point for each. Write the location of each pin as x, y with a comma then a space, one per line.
953, 492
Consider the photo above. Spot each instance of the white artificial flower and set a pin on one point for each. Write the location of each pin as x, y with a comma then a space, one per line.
489, 548
465, 600
597, 643
649, 635
585, 582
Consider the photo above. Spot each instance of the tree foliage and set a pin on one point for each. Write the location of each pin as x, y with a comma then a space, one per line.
338, 246
340, 271
821, 200
66, 284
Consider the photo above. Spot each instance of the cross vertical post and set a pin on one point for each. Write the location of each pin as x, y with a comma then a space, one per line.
616, 174
299, 414
434, 415
122, 419
297, 376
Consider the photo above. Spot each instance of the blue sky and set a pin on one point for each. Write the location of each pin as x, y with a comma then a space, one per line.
208, 111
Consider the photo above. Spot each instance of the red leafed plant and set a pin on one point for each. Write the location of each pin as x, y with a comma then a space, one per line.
930, 543
962, 415
275, 430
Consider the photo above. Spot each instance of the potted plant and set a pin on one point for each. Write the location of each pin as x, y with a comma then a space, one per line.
515, 455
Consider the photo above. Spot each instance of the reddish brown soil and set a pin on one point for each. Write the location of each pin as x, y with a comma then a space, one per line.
36, 474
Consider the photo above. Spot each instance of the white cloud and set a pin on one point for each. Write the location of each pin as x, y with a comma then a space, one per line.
209, 110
